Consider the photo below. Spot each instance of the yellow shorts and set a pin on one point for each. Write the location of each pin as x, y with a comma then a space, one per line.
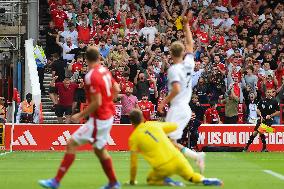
177, 166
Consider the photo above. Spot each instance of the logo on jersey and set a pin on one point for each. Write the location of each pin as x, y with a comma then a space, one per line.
25, 139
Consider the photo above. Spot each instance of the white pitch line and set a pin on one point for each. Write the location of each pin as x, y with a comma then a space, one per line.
274, 174
3, 154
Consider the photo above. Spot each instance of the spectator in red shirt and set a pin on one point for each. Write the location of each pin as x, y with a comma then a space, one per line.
124, 83
66, 91
59, 16
211, 115
77, 65
147, 107
84, 33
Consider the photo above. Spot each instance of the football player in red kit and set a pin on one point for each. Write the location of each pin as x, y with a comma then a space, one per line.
101, 89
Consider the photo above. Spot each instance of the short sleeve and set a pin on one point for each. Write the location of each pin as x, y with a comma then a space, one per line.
189, 60
173, 75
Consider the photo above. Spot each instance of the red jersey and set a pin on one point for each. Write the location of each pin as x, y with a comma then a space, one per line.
147, 108
99, 81
124, 84
66, 95
77, 66
279, 73
203, 36
58, 18
84, 34
270, 84
211, 115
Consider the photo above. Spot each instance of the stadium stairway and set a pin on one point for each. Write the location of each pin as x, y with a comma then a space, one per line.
49, 116
44, 19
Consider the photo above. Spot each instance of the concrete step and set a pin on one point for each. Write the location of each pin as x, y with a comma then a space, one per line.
47, 103
48, 114
45, 100
50, 117
50, 122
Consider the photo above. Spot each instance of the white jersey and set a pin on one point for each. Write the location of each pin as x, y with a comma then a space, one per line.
182, 73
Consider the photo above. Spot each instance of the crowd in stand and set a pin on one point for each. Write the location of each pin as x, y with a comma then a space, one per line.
238, 52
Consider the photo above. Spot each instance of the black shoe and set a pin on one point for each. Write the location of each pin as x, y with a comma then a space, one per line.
245, 149
264, 150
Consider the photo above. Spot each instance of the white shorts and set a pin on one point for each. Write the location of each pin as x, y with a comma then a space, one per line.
180, 115
94, 131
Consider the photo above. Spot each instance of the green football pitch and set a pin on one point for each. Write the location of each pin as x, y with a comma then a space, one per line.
22, 170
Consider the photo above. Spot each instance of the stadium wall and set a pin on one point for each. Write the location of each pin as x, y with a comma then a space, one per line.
31, 75
44, 137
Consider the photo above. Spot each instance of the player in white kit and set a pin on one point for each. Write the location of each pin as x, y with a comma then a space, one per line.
180, 87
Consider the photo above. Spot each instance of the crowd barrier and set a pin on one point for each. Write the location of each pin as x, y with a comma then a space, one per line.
44, 137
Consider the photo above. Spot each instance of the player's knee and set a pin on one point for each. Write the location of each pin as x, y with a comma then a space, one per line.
71, 146
102, 154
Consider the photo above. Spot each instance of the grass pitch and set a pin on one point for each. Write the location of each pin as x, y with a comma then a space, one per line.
22, 170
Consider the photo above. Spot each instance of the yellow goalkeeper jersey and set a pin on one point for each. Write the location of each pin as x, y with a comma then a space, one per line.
151, 141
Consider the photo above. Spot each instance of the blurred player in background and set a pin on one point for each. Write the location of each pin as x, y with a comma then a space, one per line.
266, 110
150, 139
180, 86
101, 90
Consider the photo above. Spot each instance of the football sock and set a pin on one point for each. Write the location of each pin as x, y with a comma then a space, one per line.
109, 171
262, 136
189, 153
251, 138
65, 164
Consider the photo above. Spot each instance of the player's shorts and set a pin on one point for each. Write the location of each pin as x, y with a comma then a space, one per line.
176, 166
180, 115
94, 131
62, 110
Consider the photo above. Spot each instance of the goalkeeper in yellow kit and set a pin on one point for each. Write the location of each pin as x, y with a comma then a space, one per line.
150, 139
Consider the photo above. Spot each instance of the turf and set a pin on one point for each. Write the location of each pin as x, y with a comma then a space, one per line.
21, 170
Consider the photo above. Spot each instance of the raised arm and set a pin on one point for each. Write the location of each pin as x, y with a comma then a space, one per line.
187, 33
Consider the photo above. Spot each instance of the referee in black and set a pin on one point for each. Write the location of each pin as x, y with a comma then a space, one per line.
266, 109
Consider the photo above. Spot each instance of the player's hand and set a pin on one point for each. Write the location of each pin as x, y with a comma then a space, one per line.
161, 107
131, 182
188, 17
55, 77
76, 117
268, 117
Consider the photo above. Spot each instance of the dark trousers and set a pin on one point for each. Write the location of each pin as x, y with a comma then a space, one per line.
231, 120
41, 78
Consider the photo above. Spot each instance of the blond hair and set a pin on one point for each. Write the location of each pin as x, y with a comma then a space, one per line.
177, 49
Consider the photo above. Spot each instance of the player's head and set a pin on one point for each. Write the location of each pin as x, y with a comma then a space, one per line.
177, 49
136, 117
92, 55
